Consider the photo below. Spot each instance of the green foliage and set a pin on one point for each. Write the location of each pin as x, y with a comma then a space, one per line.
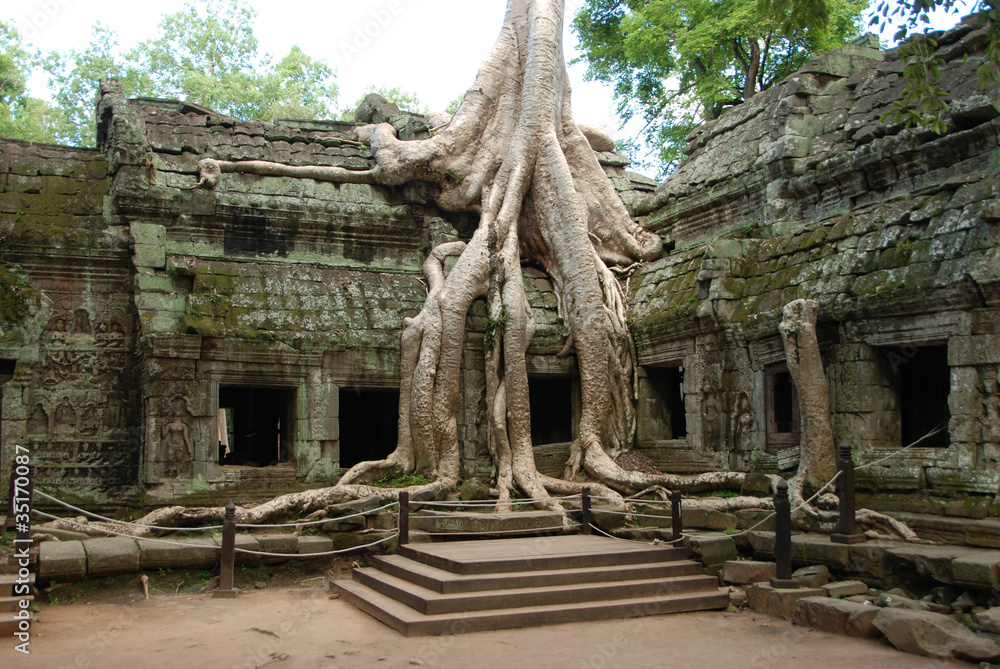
455, 104
676, 63
206, 54
725, 494
494, 328
404, 481
22, 116
922, 102
15, 294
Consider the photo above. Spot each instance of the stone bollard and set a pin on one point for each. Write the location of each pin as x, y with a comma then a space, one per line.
676, 517
846, 531
228, 554
586, 517
783, 538
404, 518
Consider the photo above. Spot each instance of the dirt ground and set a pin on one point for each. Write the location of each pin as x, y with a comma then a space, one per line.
290, 626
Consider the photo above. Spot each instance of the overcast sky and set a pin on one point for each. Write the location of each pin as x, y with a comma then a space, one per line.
432, 48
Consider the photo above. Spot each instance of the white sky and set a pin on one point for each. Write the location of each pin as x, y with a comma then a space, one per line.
432, 48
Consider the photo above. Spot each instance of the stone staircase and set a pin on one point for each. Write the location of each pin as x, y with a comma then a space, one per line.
470, 586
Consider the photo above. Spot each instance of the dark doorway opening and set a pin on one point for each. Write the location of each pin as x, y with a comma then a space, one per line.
551, 403
257, 424
369, 425
782, 405
924, 384
662, 408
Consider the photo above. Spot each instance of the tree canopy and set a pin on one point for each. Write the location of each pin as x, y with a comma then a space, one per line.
676, 63
206, 53
21, 115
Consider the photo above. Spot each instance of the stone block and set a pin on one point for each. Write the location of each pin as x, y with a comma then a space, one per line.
988, 620
181, 554
745, 572
933, 635
836, 616
706, 519
712, 549
980, 570
813, 576
244, 542
778, 602
62, 560
144, 255
109, 556
845, 588
315, 544
277, 543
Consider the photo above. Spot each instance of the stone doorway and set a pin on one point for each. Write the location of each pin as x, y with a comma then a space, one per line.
922, 386
552, 400
255, 426
369, 424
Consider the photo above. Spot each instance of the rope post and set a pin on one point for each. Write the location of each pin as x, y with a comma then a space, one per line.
847, 529
676, 517
586, 517
783, 538
404, 518
226, 589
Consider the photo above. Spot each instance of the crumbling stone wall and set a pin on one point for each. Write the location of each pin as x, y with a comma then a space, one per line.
804, 191
68, 325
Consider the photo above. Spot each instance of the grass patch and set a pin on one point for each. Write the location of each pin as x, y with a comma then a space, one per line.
405, 481
726, 494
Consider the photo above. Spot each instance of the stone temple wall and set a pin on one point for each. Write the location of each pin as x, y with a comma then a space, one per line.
805, 192
68, 328
150, 304
145, 320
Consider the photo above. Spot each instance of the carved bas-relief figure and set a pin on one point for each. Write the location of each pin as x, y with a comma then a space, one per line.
176, 441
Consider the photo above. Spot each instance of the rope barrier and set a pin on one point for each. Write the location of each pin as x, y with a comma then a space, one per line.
498, 532
214, 547
320, 522
122, 534
124, 522
491, 502
315, 555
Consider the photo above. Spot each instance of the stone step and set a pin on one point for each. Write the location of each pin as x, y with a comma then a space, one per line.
7, 582
489, 556
12, 604
434, 603
413, 623
446, 582
9, 624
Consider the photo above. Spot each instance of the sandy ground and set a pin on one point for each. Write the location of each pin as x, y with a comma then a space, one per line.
292, 627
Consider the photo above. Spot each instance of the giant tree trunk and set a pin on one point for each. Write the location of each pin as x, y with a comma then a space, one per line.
818, 462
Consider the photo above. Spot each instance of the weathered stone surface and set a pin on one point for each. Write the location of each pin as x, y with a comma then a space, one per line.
352, 509
744, 572
933, 635
474, 490
845, 588
813, 576
777, 602
277, 543
109, 556
981, 570
314, 544
988, 620
62, 560
836, 616
712, 549
892, 601
190, 554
